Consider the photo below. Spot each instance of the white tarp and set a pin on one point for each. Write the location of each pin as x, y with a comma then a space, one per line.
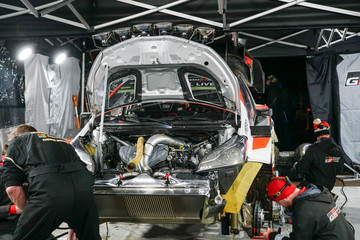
37, 92
348, 71
64, 85
48, 94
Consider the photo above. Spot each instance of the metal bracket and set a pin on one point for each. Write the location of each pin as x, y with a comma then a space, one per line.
343, 35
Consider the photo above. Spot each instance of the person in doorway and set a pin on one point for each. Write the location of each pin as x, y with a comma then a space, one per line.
9, 213
59, 186
323, 160
327, 222
278, 99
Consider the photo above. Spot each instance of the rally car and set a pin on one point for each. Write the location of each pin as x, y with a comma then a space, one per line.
175, 136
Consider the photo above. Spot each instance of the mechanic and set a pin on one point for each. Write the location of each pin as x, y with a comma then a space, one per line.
59, 186
278, 99
9, 213
327, 222
323, 160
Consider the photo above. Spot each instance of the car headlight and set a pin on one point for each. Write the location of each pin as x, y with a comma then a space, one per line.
231, 153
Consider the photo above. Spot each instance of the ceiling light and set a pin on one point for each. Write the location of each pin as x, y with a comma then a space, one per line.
144, 28
184, 29
25, 53
60, 58
123, 33
102, 37
163, 28
205, 32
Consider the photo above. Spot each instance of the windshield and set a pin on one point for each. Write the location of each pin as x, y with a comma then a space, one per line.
126, 86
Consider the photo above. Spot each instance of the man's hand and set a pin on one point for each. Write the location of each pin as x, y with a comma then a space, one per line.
18, 210
17, 195
71, 234
267, 233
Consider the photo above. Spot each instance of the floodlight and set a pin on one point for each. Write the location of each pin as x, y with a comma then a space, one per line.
205, 33
184, 29
163, 28
123, 33
144, 28
60, 58
25, 53
102, 37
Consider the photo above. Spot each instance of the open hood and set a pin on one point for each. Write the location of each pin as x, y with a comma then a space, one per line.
158, 64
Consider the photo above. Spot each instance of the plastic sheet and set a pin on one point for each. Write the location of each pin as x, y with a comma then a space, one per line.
48, 94
12, 102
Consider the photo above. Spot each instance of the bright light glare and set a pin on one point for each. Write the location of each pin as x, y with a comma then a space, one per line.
25, 53
60, 58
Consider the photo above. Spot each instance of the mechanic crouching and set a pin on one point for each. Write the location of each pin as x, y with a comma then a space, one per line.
315, 215
59, 186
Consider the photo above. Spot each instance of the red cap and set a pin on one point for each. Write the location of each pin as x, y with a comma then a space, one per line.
280, 188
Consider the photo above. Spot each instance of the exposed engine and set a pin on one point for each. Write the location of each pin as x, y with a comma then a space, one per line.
157, 152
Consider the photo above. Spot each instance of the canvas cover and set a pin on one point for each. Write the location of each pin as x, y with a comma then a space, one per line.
48, 94
348, 71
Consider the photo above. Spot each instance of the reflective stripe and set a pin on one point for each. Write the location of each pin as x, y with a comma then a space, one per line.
11, 160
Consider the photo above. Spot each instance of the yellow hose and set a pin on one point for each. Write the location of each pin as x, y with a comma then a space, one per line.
131, 167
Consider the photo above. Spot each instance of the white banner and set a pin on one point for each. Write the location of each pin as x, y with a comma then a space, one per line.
348, 72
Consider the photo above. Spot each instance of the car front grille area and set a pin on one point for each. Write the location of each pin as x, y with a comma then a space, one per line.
155, 207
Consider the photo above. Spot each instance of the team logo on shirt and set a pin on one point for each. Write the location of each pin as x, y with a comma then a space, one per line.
332, 159
334, 213
41, 135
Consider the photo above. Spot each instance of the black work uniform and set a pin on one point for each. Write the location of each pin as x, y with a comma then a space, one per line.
59, 190
7, 222
316, 217
321, 163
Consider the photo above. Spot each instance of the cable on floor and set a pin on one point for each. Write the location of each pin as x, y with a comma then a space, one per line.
107, 230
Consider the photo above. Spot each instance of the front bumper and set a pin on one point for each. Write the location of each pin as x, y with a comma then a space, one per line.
148, 200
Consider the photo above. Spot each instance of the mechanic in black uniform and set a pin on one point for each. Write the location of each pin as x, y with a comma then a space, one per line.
279, 100
59, 186
323, 160
315, 215
9, 213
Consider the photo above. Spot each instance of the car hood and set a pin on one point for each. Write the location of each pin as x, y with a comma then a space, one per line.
157, 51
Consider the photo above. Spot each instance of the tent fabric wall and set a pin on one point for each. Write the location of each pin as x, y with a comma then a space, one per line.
48, 94
323, 89
348, 71
37, 92
64, 85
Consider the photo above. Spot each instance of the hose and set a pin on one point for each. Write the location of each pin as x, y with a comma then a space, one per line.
342, 192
